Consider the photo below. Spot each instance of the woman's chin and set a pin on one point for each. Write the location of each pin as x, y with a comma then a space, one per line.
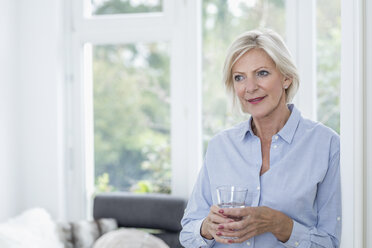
255, 113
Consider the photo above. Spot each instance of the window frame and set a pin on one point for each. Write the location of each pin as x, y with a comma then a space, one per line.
301, 41
179, 25
353, 127
368, 123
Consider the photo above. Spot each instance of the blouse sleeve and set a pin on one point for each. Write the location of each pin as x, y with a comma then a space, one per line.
327, 232
197, 209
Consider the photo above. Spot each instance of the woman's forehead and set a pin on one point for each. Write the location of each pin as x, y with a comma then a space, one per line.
252, 60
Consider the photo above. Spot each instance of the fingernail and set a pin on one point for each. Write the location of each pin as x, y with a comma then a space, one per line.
218, 233
220, 227
231, 241
231, 221
220, 211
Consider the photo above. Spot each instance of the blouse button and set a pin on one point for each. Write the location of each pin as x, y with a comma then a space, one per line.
275, 146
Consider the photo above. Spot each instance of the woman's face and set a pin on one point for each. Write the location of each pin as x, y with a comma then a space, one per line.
259, 85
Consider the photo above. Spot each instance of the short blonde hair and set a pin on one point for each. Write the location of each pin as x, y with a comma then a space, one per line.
274, 46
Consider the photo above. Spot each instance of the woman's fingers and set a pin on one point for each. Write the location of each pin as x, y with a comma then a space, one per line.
214, 222
237, 212
218, 219
250, 222
255, 221
218, 211
238, 223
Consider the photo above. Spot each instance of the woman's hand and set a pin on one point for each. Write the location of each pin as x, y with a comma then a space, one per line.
255, 221
213, 224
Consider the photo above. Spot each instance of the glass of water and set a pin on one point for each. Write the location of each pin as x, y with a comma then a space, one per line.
230, 196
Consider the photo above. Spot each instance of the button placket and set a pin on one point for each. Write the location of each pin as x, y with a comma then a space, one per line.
275, 142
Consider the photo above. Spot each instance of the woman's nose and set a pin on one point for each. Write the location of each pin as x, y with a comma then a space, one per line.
250, 85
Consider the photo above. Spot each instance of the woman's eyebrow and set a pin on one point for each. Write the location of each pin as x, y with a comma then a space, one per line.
238, 72
258, 68
261, 67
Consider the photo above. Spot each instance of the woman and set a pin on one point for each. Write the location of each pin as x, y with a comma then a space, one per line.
289, 164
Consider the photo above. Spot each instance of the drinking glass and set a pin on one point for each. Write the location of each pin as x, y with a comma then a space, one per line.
230, 196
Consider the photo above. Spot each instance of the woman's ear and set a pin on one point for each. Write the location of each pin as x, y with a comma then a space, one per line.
287, 82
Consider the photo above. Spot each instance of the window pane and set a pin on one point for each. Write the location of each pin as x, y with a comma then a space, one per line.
222, 22
132, 117
108, 7
329, 62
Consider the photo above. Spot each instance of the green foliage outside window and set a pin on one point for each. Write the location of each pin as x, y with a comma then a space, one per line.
132, 117
329, 62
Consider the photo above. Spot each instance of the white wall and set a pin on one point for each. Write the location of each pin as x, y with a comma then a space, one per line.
31, 107
8, 173
40, 94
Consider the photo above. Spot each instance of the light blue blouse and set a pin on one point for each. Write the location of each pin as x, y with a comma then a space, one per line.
303, 182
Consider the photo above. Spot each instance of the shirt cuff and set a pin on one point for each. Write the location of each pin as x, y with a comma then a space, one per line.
202, 241
300, 234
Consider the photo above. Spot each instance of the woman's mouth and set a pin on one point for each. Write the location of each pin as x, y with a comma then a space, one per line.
256, 100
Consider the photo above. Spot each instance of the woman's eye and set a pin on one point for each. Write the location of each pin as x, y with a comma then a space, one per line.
262, 73
238, 78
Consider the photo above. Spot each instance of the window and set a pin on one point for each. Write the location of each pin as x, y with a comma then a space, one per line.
131, 101
328, 44
107, 7
224, 20
138, 75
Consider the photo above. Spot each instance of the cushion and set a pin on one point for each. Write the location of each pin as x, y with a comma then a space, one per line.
129, 238
83, 234
34, 228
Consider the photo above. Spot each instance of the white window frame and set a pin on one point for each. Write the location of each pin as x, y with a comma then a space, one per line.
356, 121
352, 123
179, 25
301, 41
368, 123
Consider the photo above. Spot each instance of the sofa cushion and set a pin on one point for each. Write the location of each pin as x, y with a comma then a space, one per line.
83, 234
33, 228
129, 238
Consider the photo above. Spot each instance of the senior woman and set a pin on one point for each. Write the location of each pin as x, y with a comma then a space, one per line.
289, 164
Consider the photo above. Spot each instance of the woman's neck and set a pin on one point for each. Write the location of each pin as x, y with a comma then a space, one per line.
267, 126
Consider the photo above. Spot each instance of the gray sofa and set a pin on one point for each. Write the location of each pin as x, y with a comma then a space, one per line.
158, 212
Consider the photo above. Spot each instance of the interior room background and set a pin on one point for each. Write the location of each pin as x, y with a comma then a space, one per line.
109, 95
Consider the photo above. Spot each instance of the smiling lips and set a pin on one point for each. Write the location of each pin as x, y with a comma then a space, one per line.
256, 100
